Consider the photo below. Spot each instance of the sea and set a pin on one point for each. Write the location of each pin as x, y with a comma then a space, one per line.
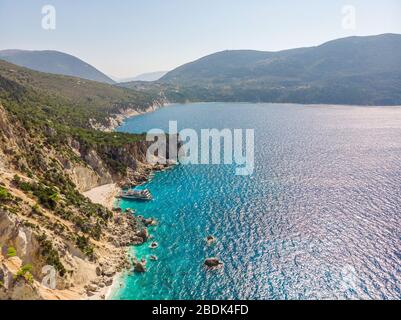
319, 217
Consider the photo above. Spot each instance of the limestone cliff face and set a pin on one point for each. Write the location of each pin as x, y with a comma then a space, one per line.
14, 234
47, 222
86, 178
93, 171
90, 173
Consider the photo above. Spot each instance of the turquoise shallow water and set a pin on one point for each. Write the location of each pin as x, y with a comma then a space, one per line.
319, 218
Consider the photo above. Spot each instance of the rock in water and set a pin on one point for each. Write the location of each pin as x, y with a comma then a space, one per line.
149, 222
144, 234
135, 240
139, 267
213, 262
210, 240
154, 245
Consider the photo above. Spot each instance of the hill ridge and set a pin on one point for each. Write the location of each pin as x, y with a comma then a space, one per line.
55, 62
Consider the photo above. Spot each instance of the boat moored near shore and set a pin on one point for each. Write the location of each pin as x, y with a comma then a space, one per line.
136, 195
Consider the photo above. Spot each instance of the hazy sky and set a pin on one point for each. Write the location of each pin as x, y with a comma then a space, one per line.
126, 37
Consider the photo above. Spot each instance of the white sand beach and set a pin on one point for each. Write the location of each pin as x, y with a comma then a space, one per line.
104, 195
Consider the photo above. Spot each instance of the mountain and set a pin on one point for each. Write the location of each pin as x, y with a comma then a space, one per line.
54, 62
353, 70
75, 100
150, 76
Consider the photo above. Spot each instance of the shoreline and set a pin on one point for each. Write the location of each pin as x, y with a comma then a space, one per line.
106, 293
118, 119
106, 196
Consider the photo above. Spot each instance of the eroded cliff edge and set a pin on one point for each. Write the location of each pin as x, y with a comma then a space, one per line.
46, 221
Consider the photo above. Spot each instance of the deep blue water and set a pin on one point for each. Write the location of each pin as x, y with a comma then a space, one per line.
319, 218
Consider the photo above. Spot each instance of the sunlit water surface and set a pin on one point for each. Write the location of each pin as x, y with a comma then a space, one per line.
319, 218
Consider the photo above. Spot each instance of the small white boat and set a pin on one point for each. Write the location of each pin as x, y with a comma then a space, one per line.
136, 195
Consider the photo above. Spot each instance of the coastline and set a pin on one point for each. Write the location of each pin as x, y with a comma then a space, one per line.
118, 119
106, 195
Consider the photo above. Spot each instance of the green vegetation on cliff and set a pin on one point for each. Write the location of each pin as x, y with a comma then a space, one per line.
54, 62
47, 127
41, 98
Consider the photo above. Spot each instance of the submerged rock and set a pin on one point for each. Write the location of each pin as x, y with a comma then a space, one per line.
139, 267
144, 234
210, 240
149, 222
153, 245
213, 262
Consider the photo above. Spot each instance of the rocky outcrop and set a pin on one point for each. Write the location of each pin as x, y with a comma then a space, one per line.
93, 160
128, 111
14, 287
153, 245
88, 173
85, 178
14, 234
140, 266
59, 233
213, 263
210, 240
143, 234
92, 276
93, 171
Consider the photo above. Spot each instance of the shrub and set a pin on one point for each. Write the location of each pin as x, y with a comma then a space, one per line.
26, 268
5, 195
36, 210
50, 254
84, 245
11, 252
47, 196
17, 179
25, 273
